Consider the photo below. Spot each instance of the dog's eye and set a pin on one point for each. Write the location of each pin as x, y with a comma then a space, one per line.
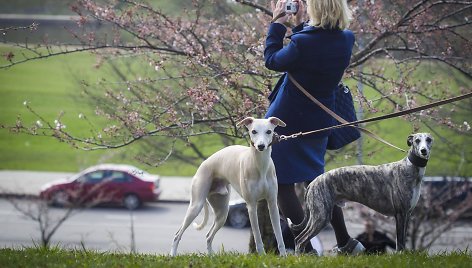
269, 132
254, 132
417, 141
429, 140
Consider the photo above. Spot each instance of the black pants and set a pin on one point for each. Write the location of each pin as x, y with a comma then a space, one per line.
291, 207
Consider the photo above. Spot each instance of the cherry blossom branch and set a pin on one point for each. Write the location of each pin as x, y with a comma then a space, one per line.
84, 49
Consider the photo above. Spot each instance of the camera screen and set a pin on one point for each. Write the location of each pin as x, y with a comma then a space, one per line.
289, 7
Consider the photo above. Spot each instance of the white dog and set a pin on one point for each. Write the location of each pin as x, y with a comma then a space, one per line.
250, 171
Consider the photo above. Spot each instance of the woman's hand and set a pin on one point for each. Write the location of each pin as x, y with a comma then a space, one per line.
300, 16
277, 9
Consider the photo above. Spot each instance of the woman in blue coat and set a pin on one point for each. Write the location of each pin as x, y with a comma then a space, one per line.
316, 56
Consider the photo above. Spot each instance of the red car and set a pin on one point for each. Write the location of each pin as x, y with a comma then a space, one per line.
108, 183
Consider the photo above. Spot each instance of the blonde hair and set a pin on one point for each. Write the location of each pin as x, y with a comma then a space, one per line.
329, 14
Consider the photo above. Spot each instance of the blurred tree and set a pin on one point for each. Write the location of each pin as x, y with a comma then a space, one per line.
201, 71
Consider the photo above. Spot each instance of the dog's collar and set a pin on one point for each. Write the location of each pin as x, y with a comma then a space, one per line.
416, 160
275, 139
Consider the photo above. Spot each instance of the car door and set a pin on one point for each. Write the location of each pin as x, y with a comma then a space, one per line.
90, 187
118, 185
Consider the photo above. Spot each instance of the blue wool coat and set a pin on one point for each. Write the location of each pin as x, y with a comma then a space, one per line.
317, 59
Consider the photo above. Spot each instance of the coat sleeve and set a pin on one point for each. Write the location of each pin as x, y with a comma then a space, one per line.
277, 57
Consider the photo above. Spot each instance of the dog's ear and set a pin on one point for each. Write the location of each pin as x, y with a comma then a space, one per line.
246, 121
409, 140
277, 122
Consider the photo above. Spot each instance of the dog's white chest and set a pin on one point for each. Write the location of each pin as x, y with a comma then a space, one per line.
421, 172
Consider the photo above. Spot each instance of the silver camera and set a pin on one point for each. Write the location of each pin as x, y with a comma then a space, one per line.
291, 7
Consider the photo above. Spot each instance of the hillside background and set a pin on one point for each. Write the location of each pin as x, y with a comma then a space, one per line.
52, 86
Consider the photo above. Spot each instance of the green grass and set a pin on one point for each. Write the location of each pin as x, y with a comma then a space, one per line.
49, 88
52, 85
38, 257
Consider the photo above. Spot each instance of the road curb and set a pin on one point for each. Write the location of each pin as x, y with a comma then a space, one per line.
35, 197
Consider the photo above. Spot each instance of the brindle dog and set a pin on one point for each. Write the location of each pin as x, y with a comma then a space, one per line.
392, 189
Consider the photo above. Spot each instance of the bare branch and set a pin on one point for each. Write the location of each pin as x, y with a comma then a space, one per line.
255, 5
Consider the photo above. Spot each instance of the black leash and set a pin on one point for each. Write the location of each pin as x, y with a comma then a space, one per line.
412, 110
382, 117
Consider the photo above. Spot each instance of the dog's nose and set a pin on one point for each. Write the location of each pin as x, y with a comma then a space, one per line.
261, 147
424, 151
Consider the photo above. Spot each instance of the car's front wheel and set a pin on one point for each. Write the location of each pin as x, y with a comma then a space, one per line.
238, 218
131, 201
59, 199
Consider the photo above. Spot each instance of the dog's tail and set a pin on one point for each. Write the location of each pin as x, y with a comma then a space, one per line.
205, 218
301, 225
298, 227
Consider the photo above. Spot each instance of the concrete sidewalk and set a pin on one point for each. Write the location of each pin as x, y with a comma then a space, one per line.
29, 183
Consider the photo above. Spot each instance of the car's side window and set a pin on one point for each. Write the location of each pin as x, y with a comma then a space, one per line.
118, 176
92, 177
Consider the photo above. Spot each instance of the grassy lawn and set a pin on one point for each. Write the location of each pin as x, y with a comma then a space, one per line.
51, 86
37, 257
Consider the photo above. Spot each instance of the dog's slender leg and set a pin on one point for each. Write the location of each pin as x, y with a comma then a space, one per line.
303, 238
401, 221
407, 223
275, 219
220, 206
252, 211
319, 216
199, 190
192, 212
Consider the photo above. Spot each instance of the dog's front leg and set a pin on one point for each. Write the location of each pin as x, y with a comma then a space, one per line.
275, 219
252, 211
401, 220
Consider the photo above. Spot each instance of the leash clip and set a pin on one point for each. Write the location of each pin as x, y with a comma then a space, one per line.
282, 138
293, 136
278, 138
